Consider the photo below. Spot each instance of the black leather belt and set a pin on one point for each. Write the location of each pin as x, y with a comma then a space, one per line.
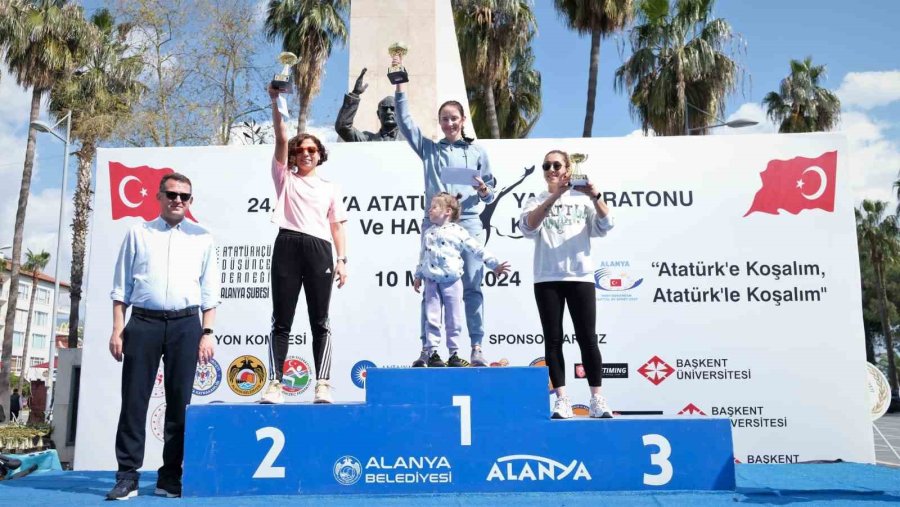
166, 314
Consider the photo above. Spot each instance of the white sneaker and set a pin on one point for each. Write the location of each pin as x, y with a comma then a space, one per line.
274, 395
599, 408
562, 409
323, 392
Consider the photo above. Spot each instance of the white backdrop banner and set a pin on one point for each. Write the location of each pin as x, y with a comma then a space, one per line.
729, 286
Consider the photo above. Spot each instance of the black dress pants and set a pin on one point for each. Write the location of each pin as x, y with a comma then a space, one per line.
146, 339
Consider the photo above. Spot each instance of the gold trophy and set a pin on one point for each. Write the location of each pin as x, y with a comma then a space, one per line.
577, 178
282, 82
397, 73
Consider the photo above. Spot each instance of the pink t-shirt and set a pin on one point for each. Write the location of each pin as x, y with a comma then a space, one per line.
306, 204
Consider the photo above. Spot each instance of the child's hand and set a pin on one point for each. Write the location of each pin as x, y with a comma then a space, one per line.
503, 267
417, 284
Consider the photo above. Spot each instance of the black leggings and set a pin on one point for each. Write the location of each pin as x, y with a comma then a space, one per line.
579, 296
300, 259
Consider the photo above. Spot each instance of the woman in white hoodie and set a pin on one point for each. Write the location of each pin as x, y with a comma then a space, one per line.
562, 221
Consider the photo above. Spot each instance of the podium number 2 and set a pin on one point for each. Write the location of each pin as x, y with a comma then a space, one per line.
465, 418
660, 459
266, 470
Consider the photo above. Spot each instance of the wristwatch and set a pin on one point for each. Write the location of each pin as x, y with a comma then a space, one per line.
598, 196
342, 259
207, 330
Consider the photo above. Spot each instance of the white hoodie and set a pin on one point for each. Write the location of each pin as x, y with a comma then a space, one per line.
562, 241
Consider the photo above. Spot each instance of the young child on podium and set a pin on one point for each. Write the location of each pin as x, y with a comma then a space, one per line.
441, 268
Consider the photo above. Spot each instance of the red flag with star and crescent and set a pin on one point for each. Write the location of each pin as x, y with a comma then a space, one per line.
797, 184
133, 191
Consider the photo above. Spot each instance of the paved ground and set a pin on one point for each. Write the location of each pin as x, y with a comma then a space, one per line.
889, 425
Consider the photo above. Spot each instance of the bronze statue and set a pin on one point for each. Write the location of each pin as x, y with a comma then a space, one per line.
386, 110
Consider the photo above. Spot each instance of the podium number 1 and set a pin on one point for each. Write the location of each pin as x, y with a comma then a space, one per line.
660, 459
266, 470
465, 418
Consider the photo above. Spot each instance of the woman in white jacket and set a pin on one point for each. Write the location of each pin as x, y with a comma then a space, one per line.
562, 222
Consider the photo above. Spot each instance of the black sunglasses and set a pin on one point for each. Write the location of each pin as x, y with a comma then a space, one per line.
185, 197
555, 165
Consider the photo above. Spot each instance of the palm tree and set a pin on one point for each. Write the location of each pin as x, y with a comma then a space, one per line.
599, 18
490, 34
309, 29
803, 105
879, 236
678, 61
518, 100
101, 96
41, 41
35, 263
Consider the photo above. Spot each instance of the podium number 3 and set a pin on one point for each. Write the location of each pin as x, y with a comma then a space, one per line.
266, 470
465, 418
660, 459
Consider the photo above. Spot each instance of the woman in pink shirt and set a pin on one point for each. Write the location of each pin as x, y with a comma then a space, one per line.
310, 217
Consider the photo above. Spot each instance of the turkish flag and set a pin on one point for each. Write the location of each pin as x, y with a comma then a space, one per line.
615, 282
797, 184
133, 191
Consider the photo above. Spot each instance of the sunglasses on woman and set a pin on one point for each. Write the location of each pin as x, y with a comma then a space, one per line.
185, 197
312, 150
555, 165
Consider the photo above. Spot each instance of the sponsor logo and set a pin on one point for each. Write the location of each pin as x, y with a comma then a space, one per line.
347, 470
691, 409
400, 470
581, 410
772, 458
158, 422
246, 375
359, 371
159, 385
615, 281
296, 378
207, 378
656, 370
797, 184
610, 370
527, 467
502, 362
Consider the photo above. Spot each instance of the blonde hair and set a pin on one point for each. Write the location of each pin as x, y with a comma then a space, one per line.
450, 202
564, 155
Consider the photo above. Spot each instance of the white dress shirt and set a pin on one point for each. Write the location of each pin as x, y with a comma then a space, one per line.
161, 267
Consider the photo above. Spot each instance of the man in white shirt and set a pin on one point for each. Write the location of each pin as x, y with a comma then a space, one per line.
167, 272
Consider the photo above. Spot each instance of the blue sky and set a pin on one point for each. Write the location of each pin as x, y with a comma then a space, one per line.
857, 42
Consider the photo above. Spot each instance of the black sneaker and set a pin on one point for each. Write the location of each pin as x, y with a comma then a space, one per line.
422, 361
457, 362
435, 361
168, 490
123, 490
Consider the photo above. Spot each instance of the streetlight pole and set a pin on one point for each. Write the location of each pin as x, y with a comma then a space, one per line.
736, 124
51, 362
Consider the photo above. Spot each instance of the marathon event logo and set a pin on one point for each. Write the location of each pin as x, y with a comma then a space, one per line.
246, 375
797, 184
158, 422
359, 371
395, 470
610, 370
615, 281
527, 467
297, 376
207, 378
657, 370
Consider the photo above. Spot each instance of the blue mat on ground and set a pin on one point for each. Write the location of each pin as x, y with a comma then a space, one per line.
819, 484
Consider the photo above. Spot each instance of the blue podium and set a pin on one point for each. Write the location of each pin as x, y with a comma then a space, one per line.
446, 430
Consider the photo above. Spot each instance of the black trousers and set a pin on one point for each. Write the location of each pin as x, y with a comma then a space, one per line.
551, 299
300, 260
146, 340
13, 414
